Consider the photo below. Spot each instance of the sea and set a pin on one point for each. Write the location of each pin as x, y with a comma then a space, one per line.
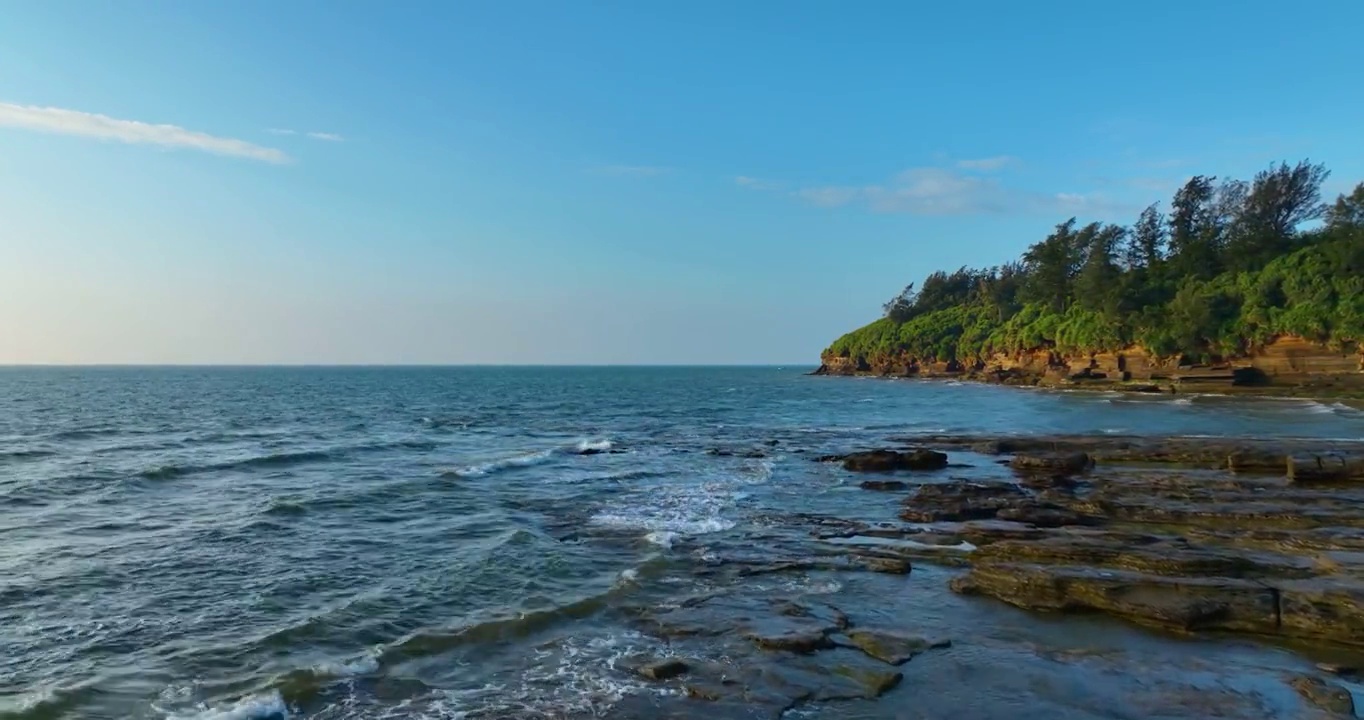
473, 542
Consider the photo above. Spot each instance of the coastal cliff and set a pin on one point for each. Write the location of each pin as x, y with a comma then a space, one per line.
1287, 361
1238, 285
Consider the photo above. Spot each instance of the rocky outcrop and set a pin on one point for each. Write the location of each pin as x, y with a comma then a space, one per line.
1189, 535
890, 460
1285, 362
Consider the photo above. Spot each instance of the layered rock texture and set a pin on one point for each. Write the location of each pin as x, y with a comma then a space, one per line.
1286, 362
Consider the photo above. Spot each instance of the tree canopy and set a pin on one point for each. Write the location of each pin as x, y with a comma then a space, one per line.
1230, 266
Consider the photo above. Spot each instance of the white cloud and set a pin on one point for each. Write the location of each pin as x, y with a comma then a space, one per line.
829, 196
280, 131
329, 137
631, 170
756, 184
989, 164
943, 191
83, 124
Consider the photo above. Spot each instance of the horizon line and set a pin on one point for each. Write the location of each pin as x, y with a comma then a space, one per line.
403, 365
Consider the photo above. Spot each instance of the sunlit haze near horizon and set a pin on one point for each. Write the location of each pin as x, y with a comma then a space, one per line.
604, 183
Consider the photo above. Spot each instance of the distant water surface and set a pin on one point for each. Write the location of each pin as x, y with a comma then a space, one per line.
444, 542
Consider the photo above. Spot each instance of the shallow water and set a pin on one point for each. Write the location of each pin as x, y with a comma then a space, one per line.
442, 543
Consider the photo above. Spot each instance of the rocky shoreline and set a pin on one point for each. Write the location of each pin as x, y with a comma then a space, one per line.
1262, 539
1286, 367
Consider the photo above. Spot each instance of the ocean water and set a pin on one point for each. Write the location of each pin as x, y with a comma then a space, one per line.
238, 543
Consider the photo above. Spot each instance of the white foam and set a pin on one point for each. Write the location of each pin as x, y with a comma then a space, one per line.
363, 665
269, 706
1184, 401
594, 445
493, 466
629, 575
672, 524
662, 538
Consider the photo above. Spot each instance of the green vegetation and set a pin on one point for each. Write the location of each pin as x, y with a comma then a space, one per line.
1233, 265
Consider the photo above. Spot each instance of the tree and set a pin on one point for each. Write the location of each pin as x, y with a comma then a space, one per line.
1278, 201
901, 307
1146, 242
1096, 283
1051, 266
1193, 229
1347, 212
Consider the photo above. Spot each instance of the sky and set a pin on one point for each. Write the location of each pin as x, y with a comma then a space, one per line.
345, 181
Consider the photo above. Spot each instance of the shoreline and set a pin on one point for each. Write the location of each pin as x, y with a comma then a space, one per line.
1353, 391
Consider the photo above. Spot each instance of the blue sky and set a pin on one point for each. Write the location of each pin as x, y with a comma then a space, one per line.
574, 182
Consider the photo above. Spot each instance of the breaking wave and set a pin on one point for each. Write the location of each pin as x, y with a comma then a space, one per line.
584, 447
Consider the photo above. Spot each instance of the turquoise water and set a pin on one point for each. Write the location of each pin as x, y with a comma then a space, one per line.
450, 542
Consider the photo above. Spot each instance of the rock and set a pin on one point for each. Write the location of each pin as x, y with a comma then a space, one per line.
1056, 464
888, 485
1044, 481
663, 669
890, 461
1329, 608
1182, 603
874, 683
1046, 515
891, 647
805, 640
1327, 696
1336, 669
886, 565
960, 500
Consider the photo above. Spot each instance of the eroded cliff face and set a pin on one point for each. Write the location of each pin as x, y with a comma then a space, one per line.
1287, 360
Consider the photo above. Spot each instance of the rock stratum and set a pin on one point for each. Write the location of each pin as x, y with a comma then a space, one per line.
1287, 363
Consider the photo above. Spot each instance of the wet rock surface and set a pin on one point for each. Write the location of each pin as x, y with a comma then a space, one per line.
891, 460
1326, 695
813, 614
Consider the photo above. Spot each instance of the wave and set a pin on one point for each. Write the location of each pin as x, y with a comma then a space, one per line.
655, 524
166, 472
594, 446
284, 459
426, 643
584, 447
267, 706
25, 454
492, 466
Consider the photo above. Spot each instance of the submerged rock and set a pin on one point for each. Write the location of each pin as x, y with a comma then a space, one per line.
891, 647
1327, 696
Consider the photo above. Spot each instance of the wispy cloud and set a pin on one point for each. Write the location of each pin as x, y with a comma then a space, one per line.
753, 183
329, 137
989, 164
631, 170
944, 191
103, 127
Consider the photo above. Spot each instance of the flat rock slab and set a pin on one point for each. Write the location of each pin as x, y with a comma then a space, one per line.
889, 646
1183, 603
